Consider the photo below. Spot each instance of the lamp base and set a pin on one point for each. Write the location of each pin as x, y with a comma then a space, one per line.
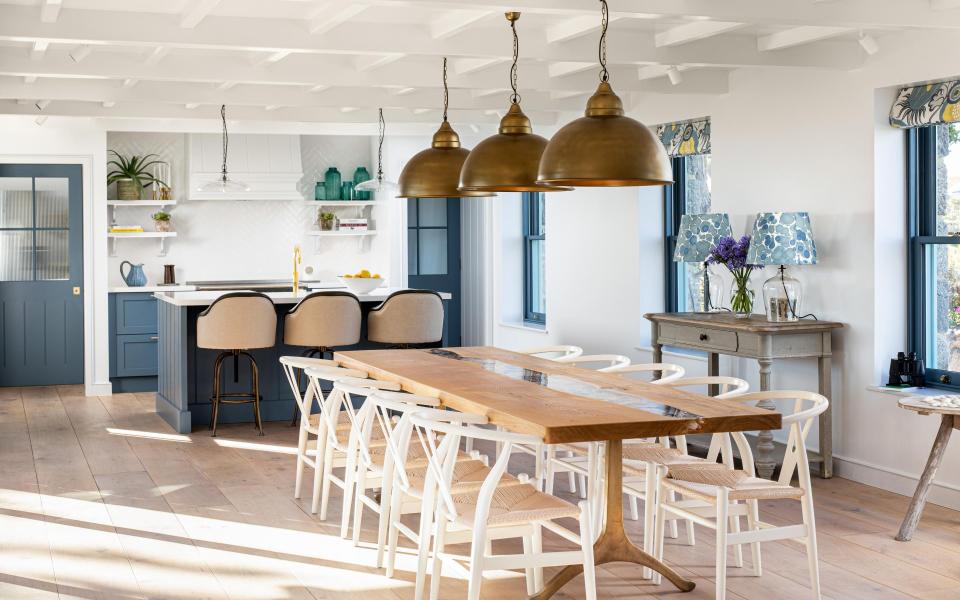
781, 297
705, 289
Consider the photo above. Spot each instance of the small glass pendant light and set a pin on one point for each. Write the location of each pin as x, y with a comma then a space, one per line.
604, 147
435, 172
379, 184
508, 161
224, 185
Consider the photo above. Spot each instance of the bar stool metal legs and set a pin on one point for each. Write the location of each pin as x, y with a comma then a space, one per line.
252, 397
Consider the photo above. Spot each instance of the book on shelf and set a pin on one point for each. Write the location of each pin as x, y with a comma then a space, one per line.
126, 229
353, 225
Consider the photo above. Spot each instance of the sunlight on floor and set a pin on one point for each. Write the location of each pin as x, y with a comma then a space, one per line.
149, 435
241, 445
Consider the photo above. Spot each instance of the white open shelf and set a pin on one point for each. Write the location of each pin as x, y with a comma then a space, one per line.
141, 202
113, 236
360, 235
344, 203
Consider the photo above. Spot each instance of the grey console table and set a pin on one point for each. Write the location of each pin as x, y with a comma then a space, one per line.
757, 338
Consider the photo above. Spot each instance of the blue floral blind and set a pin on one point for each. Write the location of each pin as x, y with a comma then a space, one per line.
685, 138
928, 104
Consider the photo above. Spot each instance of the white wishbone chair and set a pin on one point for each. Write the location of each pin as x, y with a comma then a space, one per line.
666, 371
554, 352
721, 491
608, 362
496, 512
336, 439
310, 421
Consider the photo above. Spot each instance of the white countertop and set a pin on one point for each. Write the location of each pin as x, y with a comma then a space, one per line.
152, 288
193, 298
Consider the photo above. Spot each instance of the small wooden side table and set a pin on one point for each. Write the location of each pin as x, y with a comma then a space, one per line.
949, 420
757, 338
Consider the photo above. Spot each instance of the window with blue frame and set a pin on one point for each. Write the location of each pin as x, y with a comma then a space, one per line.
534, 259
933, 229
689, 195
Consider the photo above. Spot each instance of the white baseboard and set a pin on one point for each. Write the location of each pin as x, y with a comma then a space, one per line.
892, 480
98, 389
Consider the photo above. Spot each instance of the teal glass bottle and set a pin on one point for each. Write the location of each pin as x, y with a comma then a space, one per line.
359, 176
320, 191
332, 183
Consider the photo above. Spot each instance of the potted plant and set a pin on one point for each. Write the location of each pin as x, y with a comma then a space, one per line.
161, 221
327, 221
132, 175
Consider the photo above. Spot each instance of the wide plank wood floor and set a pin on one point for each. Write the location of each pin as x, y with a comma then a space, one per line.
99, 499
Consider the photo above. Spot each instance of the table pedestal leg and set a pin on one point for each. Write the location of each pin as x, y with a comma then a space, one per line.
613, 545
912, 519
766, 463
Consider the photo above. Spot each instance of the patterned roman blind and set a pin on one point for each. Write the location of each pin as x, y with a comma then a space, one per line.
928, 104
685, 138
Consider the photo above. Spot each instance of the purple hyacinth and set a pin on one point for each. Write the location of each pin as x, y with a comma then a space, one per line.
732, 253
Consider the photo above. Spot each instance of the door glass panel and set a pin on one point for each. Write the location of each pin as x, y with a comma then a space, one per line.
538, 277
412, 252
53, 256
16, 255
433, 251
411, 213
433, 212
53, 202
16, 202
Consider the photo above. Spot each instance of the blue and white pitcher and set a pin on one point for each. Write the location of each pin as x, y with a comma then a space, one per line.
135, 277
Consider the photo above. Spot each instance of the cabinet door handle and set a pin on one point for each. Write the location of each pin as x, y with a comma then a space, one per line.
704, 337
154, 338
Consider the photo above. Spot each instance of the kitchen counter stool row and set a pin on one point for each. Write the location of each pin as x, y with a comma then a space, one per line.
237, 322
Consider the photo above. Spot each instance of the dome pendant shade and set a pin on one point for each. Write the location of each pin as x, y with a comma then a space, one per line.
507, 161
435, 172
604, 148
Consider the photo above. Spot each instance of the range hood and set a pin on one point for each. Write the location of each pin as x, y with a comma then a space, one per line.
269, 164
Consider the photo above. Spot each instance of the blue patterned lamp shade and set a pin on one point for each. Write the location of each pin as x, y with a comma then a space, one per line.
698, 234
782, 238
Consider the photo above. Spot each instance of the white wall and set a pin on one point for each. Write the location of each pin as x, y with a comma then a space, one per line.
782, 140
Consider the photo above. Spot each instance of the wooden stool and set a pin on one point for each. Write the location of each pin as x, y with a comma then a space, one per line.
234, 323
407, 319
322, 322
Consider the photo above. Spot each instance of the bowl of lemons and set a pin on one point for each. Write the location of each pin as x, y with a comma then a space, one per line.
362, 282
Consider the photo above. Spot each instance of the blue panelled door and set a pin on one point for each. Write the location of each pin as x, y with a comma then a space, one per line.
433, 253
41, 274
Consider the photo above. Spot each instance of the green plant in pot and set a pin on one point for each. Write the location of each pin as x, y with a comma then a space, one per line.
132, 174
161, 221
327, 221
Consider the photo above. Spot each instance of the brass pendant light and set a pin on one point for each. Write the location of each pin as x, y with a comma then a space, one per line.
604, 147
508, 161
435, 172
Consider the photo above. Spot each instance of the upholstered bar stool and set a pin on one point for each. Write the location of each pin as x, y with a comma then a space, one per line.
322, 322
407, 319
234, 323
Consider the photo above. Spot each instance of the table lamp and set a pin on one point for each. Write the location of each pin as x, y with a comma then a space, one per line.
782, 238
697, 236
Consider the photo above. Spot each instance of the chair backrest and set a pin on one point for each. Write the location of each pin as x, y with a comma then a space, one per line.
806, 407
608, 362
728, 386
442, 457
238, 321
324, 319
294, 365
407, 317
338, 402
554, 352
668, 372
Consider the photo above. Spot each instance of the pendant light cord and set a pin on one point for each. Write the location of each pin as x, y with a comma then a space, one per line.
604, 11
223, 119
446, 93
514, 97
383, 130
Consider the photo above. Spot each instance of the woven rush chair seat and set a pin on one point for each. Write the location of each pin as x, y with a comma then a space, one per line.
468, 476
636, 457
703, 483
515, 505
343, 432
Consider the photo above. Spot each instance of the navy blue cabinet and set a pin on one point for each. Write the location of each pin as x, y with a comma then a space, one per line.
133, 342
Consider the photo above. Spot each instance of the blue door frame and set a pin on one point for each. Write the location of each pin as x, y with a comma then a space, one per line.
433, 253
41, 275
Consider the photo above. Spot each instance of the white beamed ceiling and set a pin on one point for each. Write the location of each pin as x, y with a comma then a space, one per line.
305, 60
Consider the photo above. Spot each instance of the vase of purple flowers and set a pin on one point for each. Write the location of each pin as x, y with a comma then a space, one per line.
732, 254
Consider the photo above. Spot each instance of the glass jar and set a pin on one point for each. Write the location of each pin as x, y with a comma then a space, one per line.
359, 176
332, 183
782, 295
346, 192
320, 191
705, 289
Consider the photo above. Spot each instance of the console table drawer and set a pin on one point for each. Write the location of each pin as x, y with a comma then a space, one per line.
698, 337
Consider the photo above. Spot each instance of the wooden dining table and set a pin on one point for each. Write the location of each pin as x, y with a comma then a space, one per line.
560, 403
